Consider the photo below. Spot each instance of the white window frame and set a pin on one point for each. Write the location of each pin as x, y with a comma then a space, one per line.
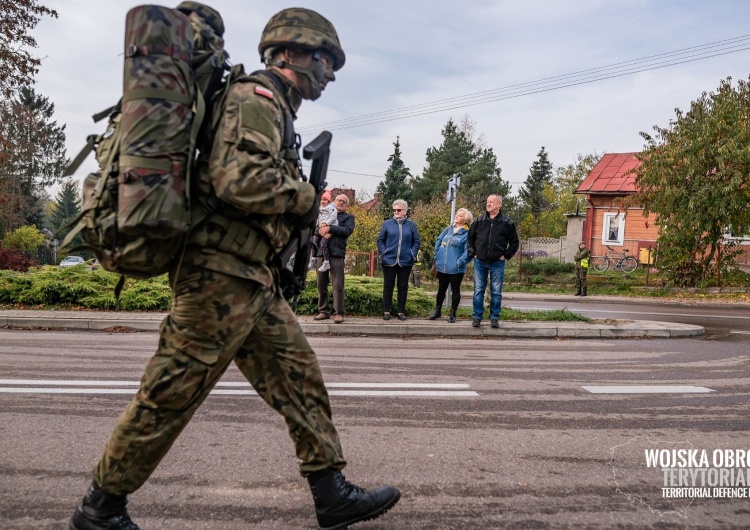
606, 225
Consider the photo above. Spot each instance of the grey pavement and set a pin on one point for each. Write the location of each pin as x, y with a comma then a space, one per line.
364, 326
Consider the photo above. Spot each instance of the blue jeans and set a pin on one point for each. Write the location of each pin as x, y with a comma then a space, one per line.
496, 272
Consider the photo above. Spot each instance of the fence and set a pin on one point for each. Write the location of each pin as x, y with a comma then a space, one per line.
548, 247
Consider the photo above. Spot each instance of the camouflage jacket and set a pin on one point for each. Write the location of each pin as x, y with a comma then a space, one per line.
582, 254
249, 183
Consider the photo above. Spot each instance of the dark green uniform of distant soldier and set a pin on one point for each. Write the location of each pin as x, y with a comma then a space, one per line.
582, 259
416, 271
227, 304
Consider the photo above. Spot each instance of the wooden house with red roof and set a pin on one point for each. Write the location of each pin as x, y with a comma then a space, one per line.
607, 224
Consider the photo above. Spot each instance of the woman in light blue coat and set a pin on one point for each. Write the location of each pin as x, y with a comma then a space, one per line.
450, 261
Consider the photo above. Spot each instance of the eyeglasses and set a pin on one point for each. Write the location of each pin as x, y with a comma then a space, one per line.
398, 209
341, 201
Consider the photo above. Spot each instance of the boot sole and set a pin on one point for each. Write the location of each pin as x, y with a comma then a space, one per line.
377, 513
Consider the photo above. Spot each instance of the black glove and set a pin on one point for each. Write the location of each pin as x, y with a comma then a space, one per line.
308, 218
289, 283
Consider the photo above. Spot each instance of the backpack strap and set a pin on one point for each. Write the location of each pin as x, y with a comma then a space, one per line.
292, 141
199, 112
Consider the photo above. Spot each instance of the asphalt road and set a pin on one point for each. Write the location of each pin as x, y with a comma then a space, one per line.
477, 433
730, 321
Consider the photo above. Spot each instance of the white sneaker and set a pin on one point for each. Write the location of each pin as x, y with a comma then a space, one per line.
311, 264
325, 266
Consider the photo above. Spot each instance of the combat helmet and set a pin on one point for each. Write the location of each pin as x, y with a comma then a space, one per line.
304, 28
207, 13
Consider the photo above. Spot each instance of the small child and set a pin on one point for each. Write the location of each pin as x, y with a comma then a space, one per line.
328, 216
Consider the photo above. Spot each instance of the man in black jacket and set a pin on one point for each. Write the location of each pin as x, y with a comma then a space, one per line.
337, 236
492, 239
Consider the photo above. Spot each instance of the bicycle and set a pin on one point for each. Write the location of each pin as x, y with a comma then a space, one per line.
619, 260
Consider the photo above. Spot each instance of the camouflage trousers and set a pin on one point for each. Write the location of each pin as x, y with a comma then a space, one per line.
217, 319
415, 276
581, 281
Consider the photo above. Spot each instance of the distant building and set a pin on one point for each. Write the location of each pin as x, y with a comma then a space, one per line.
372, 204
605, 224
345, 191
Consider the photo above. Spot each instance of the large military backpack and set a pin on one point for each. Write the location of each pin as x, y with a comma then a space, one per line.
136, 210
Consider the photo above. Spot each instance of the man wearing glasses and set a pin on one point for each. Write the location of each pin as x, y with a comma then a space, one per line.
337, 236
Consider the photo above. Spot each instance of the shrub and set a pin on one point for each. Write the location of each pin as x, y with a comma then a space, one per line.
14, 259
363, 296
80, 286
546, 267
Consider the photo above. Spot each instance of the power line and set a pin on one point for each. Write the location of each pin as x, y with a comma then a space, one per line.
653, 62
591, 75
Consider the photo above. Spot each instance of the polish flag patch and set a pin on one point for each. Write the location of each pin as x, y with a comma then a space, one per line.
263, 91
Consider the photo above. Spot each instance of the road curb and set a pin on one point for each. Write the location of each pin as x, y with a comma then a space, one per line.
372, 327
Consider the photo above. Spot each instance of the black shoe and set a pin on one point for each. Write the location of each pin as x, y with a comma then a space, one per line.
578, 293
401, 316
452, 317
475, 322
339, 503
583, 294
437, 314
494, 323
102, 511
386, 316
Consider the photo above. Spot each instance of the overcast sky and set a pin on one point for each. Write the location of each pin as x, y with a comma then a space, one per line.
401, 54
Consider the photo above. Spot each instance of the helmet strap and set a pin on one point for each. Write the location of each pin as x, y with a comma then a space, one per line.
315, 74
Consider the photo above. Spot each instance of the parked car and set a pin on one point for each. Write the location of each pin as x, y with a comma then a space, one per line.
71, 261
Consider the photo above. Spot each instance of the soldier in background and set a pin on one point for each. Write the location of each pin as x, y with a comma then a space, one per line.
227, 302
416, 271
582, 259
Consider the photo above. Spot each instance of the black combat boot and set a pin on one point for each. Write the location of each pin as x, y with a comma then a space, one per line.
102, 511
437, 314
339, 503
452, 317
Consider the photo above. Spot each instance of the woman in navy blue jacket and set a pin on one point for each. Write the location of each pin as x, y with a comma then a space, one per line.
398, 244
450, 261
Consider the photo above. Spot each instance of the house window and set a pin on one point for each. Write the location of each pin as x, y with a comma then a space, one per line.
613, 231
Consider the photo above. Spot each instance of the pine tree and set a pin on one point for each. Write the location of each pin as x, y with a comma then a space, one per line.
532, 193
397, 181
66, 208
461, 153
35, 158
453, 156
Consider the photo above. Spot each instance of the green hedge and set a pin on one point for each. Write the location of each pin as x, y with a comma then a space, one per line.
546, 267
51, 286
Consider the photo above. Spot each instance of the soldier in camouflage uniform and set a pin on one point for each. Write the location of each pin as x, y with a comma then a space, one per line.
582, 259
227, 302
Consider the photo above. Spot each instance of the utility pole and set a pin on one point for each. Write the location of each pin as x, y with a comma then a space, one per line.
450, 197
453, 183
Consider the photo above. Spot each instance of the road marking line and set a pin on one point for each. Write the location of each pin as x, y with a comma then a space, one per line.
236, 388
623, 312
648, 389
741, 332
371, 393
42, 382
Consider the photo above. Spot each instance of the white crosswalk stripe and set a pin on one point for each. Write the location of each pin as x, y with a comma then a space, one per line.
647, 389
231, 388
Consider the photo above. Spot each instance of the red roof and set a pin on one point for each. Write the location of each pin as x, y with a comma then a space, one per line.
612, 174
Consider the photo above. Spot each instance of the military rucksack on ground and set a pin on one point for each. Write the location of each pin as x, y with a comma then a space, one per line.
136, 208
